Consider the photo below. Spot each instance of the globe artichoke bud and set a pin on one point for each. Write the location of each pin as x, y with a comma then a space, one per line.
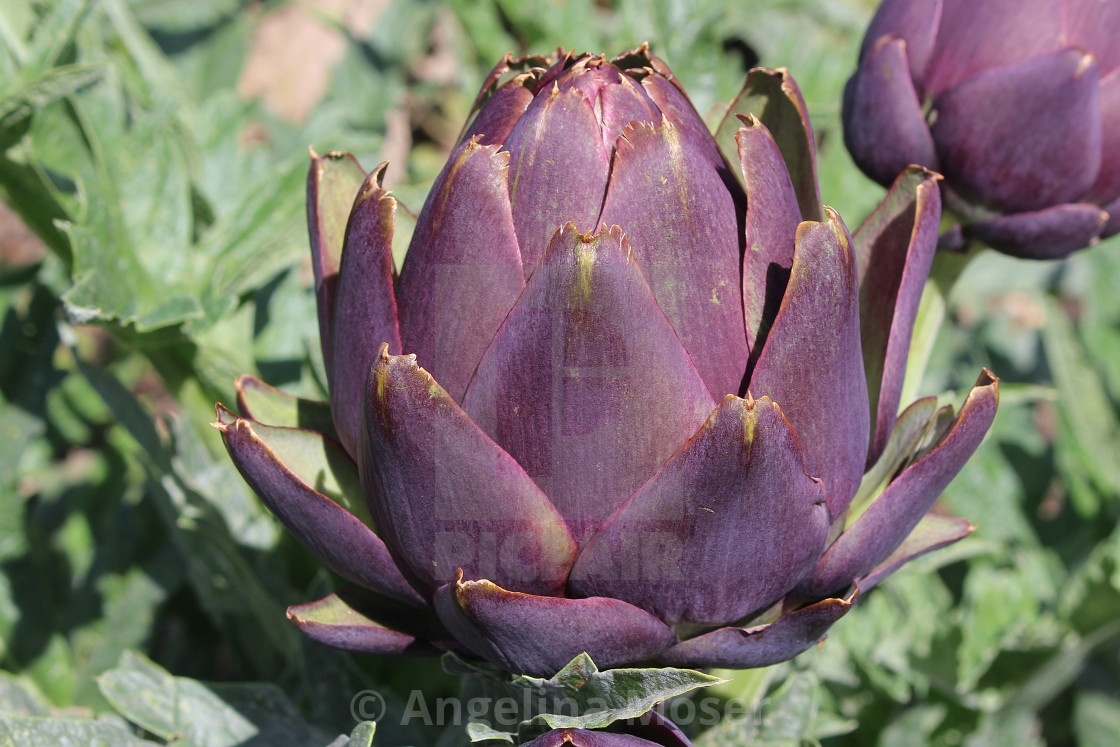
652, 730
621, 395
1015, 102
588, 738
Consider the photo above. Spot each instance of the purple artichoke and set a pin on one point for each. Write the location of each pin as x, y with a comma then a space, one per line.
587, 738
639, 441
1016, 102
652, 730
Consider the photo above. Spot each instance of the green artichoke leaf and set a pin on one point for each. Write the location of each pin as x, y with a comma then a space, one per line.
361, 736
483, 732
598, 699
579, 696
181, 708
54, 84
36, 731
790, 714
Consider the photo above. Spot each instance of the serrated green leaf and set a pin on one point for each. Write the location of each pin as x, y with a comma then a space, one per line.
214, 715
161, 77
33, 731
130, 601
1091, 595
480, 732
790, 711
53, 32
262, 233
152, 699
17, 699
362, 735
133, 257
790, 715
270, 711
16, 20
601, 698
1000, 606
45, 89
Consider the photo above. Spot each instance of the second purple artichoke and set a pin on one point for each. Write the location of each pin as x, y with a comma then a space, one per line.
1016, 102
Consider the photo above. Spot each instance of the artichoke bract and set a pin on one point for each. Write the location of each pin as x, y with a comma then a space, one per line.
1015, 102
622, 394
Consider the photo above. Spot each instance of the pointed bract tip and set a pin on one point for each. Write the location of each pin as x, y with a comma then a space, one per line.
225, 417
851, 597
989, 379
386, 365
459, 589
564, 230
640, 50
373, 180
640, 54
915, 169
292, 613
833, 220
763, 401
749, 120
934, 175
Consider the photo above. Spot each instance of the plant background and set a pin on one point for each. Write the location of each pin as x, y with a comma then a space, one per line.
153, 246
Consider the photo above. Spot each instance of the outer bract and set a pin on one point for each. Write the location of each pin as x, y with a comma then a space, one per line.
1016, 102
622, 394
